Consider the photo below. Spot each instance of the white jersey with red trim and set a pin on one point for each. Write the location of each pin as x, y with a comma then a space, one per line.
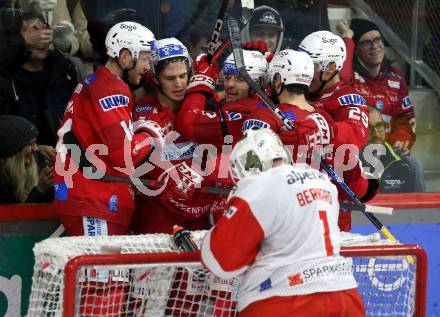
280, 231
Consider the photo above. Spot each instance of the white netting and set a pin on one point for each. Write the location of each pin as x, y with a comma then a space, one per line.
387, 283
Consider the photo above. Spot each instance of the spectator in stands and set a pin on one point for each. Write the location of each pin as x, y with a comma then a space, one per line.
266, 25
394, 172
198, 39
301, 17
20, 178
43, 85
17, 39
382, 85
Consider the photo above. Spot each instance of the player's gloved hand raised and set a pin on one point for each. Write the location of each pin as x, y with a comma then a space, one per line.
317, 129
205, 77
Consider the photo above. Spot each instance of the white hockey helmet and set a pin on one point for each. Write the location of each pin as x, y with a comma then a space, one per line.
169, 48
129, 35
294, 67
324, 47
255, 63
255, 153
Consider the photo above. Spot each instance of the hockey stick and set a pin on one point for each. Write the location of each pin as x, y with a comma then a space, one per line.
234, 34
214, 42
223, 191
247, 7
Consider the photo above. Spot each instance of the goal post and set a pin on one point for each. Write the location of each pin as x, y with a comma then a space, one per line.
145, 276
392, 258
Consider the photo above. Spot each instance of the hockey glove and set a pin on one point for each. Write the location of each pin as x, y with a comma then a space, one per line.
205, 77
180, 181
317, 129
153, 129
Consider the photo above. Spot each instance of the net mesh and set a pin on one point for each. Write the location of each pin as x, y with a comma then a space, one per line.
387, 284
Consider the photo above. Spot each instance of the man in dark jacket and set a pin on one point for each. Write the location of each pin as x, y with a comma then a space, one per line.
40, 89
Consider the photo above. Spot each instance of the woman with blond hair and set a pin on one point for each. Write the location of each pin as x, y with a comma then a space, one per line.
20, 180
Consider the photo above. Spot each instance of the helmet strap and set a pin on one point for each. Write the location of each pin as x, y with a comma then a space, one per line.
324, 82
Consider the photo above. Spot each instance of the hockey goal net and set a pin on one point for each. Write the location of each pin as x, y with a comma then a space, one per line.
145, 276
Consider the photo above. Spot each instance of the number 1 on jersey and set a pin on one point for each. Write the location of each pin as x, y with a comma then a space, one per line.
328, 242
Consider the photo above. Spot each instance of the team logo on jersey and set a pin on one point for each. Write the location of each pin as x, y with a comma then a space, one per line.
89, 79
113, 203
113, 102
267, 284
254, 123
352, 99
394, 84
61, 191
295, 279
233, 116
406, 103
379, 105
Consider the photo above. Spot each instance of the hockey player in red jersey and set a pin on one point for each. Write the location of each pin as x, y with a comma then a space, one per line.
290, 74
288, 261
98, 142
178, 167
197, 122
348, 110
98, 148
179, 164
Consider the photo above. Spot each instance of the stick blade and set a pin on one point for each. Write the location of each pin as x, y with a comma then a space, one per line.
379, 210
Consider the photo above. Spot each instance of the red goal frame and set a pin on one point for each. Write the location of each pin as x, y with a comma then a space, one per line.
76, 263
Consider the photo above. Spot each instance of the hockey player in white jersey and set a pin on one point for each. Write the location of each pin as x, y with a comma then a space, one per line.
280, 234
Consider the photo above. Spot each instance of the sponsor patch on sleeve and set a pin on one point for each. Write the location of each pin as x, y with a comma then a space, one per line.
254, 124
113, 102
352, 99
